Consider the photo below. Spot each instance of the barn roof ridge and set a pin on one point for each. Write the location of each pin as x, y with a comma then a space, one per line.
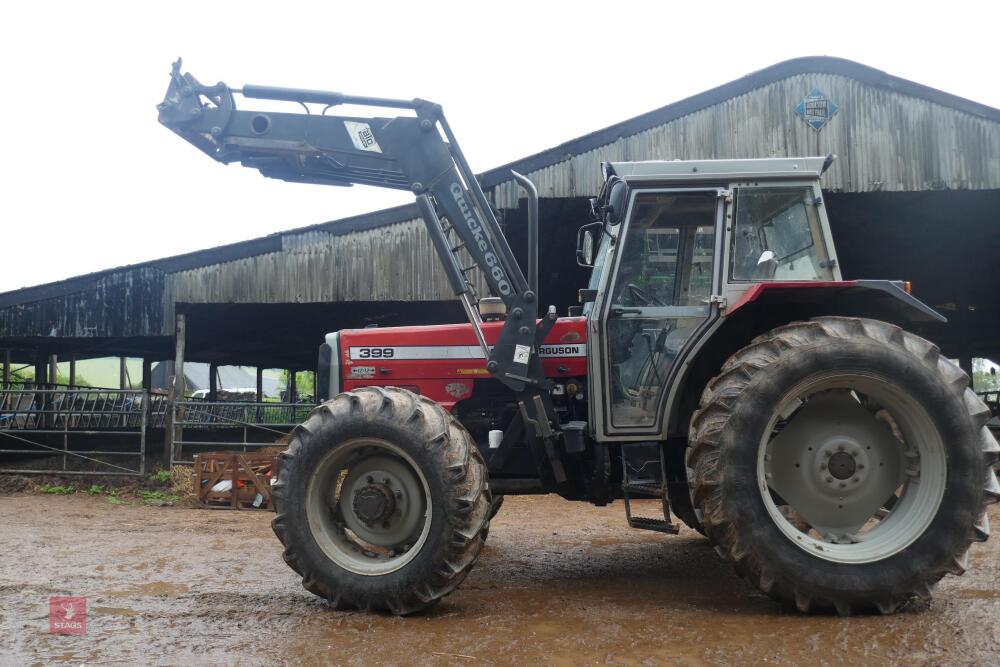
745, 84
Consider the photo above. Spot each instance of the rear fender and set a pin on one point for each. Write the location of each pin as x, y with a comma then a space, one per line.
765, 306
880, 299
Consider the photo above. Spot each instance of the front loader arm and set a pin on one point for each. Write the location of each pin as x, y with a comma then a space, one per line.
403, 152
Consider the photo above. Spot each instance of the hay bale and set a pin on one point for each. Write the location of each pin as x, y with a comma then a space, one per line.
182, 481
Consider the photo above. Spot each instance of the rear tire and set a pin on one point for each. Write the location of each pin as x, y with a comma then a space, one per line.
732, 441
382, 501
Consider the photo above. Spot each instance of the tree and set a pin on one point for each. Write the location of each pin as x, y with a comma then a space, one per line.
985, 375
304, 384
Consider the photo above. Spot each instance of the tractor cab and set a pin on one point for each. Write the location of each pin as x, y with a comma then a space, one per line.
676, 242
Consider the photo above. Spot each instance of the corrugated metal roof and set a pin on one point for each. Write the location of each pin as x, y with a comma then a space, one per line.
868, 76
885, 140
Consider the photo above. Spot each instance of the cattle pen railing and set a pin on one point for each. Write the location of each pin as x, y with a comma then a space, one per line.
49, 429
37, 422
213, 423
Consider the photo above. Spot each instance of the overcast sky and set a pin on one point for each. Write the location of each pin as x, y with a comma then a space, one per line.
90, 180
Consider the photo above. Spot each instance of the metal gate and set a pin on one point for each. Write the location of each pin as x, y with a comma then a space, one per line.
224, 425
41, 422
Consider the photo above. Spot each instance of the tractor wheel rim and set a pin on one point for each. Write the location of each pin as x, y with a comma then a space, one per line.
851, 468
368, 506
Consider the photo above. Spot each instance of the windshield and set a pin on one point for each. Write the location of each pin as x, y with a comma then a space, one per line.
778, 236
595, 273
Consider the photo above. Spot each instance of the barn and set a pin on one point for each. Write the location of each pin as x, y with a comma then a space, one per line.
913, 194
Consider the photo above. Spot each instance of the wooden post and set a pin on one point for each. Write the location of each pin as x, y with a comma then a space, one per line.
122, 373
175, 433
260, 393
292, 396
40, 371
213, 382
72, 370
6, 370
147, 374
50, 419
41, 375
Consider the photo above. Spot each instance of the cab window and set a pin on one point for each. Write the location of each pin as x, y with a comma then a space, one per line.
667, 256
777, 236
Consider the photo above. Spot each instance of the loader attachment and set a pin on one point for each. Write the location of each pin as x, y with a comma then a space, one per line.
416, 152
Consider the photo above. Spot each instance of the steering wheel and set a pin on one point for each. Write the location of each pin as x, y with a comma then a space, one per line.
643, 297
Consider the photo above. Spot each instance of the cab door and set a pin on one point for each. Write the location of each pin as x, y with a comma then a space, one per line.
654, 301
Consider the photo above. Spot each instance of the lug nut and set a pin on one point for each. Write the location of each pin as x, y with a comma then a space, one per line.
822, 466
829, 479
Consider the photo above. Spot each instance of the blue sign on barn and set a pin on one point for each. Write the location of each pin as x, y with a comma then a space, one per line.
816, 109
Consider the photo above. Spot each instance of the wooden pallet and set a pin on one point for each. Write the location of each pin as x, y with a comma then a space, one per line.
249, 474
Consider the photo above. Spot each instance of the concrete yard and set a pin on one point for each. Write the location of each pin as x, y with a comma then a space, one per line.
558, 583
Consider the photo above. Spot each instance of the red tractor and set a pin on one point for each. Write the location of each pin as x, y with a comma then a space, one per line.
719, 363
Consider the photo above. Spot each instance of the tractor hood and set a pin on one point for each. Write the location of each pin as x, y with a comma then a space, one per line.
442, 361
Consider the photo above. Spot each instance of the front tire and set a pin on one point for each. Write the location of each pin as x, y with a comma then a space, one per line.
382, 501
805, 430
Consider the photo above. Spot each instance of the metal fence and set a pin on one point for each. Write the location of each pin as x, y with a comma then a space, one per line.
257, 425
33, 418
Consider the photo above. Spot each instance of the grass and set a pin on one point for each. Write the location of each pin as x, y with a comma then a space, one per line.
157, 497
160, 477
55, 489
169, 487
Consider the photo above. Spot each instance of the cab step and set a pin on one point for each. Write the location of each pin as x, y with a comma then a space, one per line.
658, 525
651, 489
644, 471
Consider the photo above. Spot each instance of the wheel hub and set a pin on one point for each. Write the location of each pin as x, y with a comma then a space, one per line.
834, 463
374, 503
369, 507
854, 472
842, 465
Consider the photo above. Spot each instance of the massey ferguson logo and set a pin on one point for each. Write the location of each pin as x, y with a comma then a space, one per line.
477, 231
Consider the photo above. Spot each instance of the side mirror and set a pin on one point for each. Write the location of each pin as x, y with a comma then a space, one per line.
615, 209
586, 243
587, 249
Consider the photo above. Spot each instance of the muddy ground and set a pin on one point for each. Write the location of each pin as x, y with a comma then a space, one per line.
558, 583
